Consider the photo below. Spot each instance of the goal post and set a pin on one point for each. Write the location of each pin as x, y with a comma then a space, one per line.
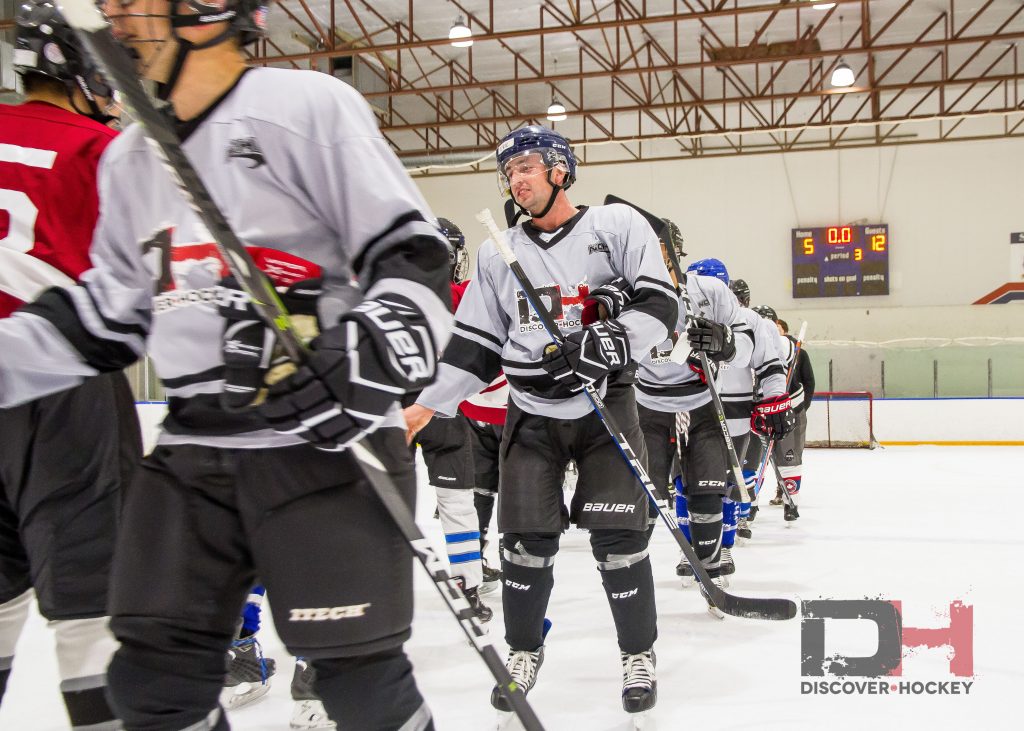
841, 419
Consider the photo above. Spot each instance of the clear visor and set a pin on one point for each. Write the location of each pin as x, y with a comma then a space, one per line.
526, 164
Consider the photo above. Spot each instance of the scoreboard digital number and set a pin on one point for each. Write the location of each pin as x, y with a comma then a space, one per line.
841, 261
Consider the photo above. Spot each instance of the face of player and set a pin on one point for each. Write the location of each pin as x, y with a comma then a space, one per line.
668, 263
528, 180
781, 331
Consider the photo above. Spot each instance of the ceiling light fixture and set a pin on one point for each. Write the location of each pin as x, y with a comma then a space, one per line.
842, 74
460, 34
556, 110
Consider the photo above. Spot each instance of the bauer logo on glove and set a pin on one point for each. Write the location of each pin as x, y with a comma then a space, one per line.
773, 416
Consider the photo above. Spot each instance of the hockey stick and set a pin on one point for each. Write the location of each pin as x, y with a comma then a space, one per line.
734, 462
754, 608
771, 441
94, 30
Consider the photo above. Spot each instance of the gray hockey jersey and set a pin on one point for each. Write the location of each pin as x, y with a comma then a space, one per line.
495, 327
757, 357
665, 385
308, 183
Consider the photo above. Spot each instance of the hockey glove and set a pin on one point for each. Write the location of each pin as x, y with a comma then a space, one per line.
607, 301
248, 344
714, 338
588, 355
355, 374
697, 367
773, 417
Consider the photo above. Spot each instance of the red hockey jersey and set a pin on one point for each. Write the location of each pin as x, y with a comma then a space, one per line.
48, 198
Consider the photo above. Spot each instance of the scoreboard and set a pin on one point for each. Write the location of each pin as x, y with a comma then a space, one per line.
841, 261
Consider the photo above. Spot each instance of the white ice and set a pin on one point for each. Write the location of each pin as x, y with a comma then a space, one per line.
925, 525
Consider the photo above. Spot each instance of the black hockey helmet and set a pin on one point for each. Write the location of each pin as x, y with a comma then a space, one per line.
766, 312
248, 18
740, 288
677, 238
45, 44
458, 256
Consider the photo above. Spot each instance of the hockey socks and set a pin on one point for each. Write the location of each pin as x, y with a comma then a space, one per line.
12, 619
375, 691
84, 649
251, 612
683, 515
728, 522
527, 582
706, 529
629, 585
461, 533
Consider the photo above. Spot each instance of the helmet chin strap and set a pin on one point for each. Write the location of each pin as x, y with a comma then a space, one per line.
555, 187
165, 88
93, 110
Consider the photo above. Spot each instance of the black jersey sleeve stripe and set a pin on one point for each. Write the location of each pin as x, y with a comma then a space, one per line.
773, 369
210, 374
490, 337
652, 302
644, 279
672, 391
472, 357
113, 325
56, 307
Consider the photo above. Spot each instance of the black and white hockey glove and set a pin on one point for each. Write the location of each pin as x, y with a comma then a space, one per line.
774, 416
588, 355
248, 344
607, 301
714, 338
356, 371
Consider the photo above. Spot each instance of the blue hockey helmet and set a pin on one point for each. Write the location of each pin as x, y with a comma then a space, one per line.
553, 148
710, 268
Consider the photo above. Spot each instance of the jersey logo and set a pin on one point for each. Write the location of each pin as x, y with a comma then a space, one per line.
566, 309
599, 248
246, 147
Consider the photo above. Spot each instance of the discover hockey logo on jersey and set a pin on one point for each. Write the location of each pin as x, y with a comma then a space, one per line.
566, 309
895, 642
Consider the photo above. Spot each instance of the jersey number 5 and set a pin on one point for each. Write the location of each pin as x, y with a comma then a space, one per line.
21, 211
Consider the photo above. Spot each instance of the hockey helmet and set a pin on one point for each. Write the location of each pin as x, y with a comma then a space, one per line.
677, 238
740, 288
766, 312
458, 256
710, 268
553, 148
45, 44
248, 18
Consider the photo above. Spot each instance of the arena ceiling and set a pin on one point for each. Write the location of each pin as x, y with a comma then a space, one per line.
662, 79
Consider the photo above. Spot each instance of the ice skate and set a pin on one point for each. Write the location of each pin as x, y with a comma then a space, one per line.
777, 500
248, 674
639, 685
685, 572
713, 610
743, 529
309, 712
728, 565
523, 666
483, 612
753, 514
790, 512
492, 580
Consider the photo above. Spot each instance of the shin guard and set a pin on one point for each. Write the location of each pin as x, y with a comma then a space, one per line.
706, 527
528, 580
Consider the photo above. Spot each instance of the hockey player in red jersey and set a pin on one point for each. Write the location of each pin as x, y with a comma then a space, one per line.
58, 505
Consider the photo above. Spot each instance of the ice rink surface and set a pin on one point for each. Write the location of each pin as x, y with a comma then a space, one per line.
923, 525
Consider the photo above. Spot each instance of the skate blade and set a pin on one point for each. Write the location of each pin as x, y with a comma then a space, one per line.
725, 582
507, 721
243, 694
488, 587
715, 611
310, 715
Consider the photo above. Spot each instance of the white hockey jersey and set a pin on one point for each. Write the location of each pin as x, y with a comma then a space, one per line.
757, 360
665, 385
496, 328
297, 165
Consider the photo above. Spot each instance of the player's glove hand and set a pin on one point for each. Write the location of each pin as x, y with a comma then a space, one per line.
714, 338
589, 355
693, 361
773, 417
356, 372
247, 346
607, 301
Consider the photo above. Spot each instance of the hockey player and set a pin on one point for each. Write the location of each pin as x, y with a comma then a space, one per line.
295, 160
741, 289
58, 503
789, 450
448, 454
568, 253
666, 387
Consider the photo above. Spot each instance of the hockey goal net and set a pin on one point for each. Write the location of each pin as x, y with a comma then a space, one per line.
841, 419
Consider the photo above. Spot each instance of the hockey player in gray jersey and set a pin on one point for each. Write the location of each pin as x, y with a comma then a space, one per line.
297, 164
570, 255
666, 386
757, 366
